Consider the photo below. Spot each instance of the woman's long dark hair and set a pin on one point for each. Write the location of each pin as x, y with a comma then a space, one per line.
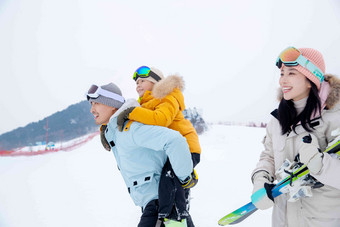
288, 117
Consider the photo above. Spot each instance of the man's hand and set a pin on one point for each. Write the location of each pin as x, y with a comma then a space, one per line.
191, 181
123, 116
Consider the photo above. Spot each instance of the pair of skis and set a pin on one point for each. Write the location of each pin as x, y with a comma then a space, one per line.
245, 211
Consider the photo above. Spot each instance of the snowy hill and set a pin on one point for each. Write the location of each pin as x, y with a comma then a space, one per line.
83, 187
72, 122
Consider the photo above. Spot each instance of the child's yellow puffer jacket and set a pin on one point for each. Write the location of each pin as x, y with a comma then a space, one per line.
163, 106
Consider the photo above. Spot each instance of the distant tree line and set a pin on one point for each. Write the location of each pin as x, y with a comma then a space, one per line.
196, 120
248, 124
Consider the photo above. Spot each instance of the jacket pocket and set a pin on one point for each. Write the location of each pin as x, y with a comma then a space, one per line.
143, 188
140, 180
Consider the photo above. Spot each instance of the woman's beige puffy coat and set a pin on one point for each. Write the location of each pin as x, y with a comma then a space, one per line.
323, 208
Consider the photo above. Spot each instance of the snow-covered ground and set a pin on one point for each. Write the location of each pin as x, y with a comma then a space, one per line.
83, 187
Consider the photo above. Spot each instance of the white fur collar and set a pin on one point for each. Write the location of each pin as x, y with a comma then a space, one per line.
128, 103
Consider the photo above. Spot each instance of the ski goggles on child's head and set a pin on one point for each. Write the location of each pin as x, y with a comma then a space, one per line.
293, 57
95, 91
145, 72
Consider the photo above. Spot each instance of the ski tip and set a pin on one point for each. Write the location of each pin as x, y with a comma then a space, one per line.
238, 215
229, 219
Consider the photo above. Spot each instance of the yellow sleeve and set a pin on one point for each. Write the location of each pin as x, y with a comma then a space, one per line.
163, 115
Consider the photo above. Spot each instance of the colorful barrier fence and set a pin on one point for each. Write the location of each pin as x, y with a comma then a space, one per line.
68, 146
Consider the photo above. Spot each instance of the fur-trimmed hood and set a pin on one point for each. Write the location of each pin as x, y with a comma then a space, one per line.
167, 85
128, 103
333, 97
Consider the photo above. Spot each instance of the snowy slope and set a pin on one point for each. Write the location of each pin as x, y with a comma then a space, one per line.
84, 188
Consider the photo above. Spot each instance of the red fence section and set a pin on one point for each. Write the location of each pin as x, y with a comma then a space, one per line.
68, 147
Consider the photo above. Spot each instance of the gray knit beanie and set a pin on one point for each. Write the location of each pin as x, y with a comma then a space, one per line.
111, 87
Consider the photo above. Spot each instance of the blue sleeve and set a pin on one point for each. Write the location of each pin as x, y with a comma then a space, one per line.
171, 142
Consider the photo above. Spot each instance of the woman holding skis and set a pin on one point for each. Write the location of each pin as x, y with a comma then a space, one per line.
309, 106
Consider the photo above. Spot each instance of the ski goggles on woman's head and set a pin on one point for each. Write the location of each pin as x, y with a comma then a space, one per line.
293, 57
95, 91
145, 72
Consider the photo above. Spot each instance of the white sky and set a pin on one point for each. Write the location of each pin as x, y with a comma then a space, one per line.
52, 51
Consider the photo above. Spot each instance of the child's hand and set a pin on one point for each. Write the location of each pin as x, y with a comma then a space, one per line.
123, 116
192, 181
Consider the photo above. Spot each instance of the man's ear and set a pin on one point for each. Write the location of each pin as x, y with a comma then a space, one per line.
114, 110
